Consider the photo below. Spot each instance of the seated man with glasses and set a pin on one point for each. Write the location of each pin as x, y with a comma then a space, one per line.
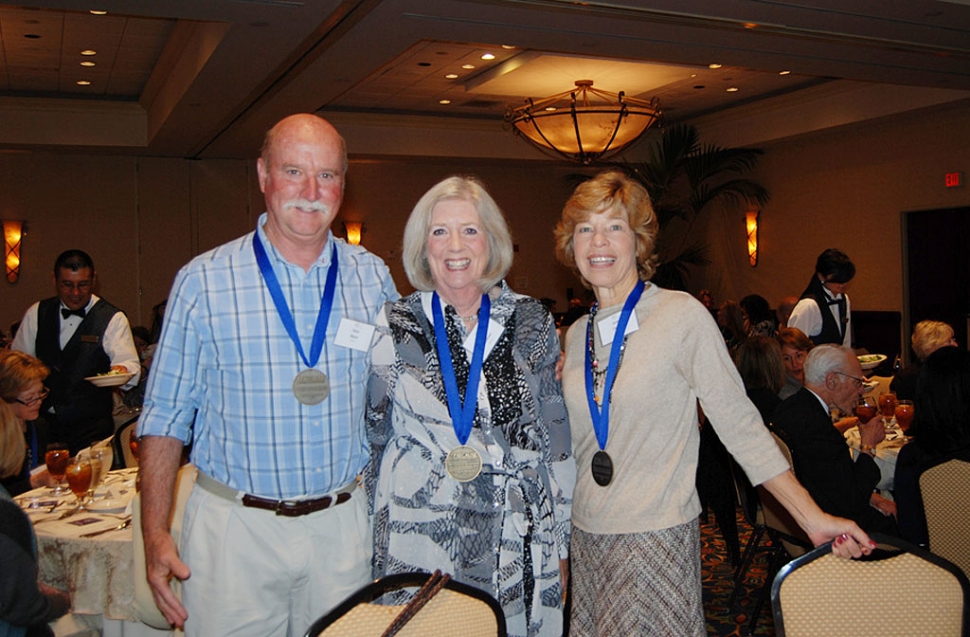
77, 335
840, 485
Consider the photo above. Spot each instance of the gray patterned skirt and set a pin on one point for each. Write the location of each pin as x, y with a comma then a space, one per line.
637, 583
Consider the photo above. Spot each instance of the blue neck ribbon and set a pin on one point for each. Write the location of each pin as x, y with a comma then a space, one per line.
326, 303
601, 418
462, 413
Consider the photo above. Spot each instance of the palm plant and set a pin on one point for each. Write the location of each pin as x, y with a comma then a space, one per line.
684, 178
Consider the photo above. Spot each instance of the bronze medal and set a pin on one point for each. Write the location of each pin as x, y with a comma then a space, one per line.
602, 468
311, 386
463, 463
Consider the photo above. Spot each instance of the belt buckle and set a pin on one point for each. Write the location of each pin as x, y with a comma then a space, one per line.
291, 509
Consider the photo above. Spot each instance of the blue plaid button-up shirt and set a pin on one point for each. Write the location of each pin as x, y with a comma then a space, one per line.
224, 369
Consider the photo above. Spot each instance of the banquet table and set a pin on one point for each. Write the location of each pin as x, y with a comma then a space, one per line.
96, 570
886, 453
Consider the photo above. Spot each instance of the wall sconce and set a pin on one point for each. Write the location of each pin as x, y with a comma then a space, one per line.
13, 232
353, 230
751, 218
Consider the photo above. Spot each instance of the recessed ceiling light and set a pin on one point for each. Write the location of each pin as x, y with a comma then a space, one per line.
444, 102
468, 67
97, 12
732, 89
508, 46
89, 52
550, 108
451, 76
714, 66
87, 63
83, 83
784, 72
488, 56
750, 25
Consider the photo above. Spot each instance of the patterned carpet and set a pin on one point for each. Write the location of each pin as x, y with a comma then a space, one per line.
717, 573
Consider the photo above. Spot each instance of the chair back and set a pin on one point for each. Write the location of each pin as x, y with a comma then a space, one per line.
915, 593
122, 445
781, 525
945, 490
457, 610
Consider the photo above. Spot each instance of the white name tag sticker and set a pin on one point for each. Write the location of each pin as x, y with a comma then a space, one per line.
607, 327
354, 334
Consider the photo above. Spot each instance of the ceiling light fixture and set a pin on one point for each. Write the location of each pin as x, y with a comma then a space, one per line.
83, 83
585, 124
89, 52
488, 56
87, 63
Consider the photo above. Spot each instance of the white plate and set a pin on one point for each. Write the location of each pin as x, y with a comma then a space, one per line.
871, 361
108, 505
109, 380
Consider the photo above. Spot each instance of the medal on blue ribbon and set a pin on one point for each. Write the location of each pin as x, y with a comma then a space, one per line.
463, 463
311, 386
602, 465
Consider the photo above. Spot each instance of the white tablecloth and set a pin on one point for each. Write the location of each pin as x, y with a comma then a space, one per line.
96, 571
886, 453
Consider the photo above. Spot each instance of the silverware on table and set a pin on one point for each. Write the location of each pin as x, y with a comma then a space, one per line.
123, 525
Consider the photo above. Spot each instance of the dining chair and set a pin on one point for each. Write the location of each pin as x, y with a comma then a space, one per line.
899, 590
455, 610
945, 491
788, 540
122, 446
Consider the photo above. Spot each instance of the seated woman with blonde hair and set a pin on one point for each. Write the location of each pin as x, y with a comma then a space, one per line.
928, 336
22, 388
26, 606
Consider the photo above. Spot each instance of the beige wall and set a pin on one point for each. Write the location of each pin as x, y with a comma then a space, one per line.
846, 188
142, 218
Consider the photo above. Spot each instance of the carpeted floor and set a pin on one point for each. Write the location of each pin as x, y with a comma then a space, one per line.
717, 573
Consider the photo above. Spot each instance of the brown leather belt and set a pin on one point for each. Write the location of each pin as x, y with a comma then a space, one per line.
287, 508
294, 508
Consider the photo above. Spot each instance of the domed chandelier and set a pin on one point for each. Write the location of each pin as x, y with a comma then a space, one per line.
584, 124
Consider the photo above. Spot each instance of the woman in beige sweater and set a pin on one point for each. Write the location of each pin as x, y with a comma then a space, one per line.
634, 372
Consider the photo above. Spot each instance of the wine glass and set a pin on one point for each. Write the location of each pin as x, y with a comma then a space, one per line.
101, 458
79, 475
57, 457
887, 408
865, 409
904, 414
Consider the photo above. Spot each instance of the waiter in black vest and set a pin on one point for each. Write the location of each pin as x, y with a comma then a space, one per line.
824, 313
77, 335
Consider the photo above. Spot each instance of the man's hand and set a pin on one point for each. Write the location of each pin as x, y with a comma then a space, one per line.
872, 433
158, 467
884, 505
162, 563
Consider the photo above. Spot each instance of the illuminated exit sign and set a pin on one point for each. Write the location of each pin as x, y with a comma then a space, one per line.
954, 180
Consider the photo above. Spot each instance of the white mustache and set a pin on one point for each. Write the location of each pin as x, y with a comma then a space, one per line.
306, 204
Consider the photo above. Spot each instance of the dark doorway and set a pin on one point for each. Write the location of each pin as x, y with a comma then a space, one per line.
938, 268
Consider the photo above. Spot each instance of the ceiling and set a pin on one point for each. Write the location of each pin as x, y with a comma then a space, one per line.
206, 78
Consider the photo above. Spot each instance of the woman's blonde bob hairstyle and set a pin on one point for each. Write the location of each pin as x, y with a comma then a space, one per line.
18, 372
621, 196
929, 336
12, 445
493, 222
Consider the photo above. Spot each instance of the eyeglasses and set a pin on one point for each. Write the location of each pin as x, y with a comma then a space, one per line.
30, 402
859, 382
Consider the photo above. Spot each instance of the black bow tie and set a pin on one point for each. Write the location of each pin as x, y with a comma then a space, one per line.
66, 312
